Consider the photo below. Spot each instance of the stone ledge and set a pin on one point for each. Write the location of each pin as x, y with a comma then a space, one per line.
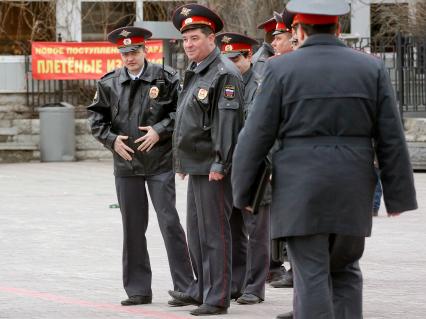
9, 131
16, 155
17, 147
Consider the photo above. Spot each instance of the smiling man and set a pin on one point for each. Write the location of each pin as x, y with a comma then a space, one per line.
208, 120
132, 115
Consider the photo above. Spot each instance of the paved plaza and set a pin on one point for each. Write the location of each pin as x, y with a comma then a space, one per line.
60, 252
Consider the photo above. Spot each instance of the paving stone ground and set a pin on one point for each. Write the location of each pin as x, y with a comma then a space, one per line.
60, 252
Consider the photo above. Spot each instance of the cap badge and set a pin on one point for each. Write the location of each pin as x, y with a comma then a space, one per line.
125, 33
226, 39
228, 47
127, 41
188, 21
153, 92
185, 11
202, 94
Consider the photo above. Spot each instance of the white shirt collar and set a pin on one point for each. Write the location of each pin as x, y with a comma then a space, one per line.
133, 77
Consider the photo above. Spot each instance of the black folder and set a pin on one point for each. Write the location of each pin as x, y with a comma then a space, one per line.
261, 182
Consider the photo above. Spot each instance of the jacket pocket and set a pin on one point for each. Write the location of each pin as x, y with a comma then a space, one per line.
229, 105
202, 100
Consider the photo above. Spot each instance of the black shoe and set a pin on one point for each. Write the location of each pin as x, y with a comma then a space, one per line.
275, 274
287, 315
249, 299
136, 300
206, 310
235, 296
183, 298
177, 303
375, 212
285, 281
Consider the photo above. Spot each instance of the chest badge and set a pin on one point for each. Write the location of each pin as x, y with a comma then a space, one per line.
229, 91
202, 94
153, 92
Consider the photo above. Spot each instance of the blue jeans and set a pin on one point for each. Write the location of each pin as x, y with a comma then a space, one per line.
377, 193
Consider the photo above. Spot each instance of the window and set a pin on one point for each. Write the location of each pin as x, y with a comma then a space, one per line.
24, 21
100, 18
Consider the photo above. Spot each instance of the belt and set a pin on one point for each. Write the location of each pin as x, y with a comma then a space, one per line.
326, 140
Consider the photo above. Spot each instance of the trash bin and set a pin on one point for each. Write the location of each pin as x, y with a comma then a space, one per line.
57, 132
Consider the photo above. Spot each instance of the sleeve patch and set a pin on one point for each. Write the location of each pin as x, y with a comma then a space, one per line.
229, 91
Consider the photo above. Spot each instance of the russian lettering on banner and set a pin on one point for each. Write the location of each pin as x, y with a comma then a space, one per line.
81, 60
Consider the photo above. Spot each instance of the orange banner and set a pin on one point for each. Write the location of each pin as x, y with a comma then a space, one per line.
81, 60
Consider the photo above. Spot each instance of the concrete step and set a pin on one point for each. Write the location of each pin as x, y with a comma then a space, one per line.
9, 146
7, 133
18, 152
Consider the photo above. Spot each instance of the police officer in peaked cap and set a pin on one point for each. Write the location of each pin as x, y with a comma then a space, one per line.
282, 44
328, 105
132, 115
250, 233
208, 120
283, 33
265, 51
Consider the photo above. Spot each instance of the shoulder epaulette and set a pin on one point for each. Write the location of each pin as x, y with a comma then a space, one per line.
170, 70
108, 74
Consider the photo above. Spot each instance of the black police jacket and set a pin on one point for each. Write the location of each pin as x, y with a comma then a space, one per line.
251, 83
261, 56
121, 105
209, 117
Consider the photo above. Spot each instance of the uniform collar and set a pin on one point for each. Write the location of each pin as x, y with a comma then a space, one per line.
133, 77
147, 73
268, 48
206, 62
322, 39
247, 76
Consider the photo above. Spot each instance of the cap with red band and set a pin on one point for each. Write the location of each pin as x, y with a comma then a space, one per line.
129, 39
132, 40
239, 47
197, 20
192, 16
268, 25
233, 44
314, 19
318, 12
284, 22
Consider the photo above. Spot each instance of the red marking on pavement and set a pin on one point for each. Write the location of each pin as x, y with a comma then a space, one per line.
88, 304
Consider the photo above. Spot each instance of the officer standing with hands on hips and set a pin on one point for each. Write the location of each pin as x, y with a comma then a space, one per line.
208, 120
327, 103
250, 233
132, 115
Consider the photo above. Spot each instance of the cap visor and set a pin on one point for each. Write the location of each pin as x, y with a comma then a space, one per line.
129, 48
231, 55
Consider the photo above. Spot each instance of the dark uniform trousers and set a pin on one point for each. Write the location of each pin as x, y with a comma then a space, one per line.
209, 239
327, 276
250, 251
133, 202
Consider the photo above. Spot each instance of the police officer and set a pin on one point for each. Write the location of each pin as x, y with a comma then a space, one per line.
250, 233
282, 34
326, 103
265, 51
208, 120
132, 115
282, 45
